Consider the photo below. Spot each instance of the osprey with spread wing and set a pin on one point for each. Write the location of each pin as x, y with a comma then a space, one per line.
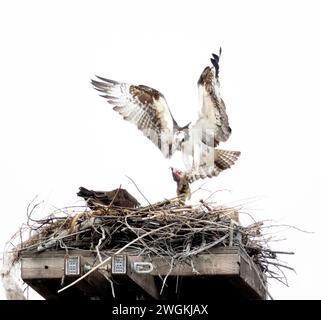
148, 110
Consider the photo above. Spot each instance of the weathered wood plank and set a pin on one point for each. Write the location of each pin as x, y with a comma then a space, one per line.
87, 253
42, 268
224, 262
228, 262
57, 253
207, 264
251, 275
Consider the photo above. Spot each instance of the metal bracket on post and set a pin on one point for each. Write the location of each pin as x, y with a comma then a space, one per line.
143, 267
72, 266
119, 264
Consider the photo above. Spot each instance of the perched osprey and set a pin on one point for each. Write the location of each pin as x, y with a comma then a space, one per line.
118, 197
148, 110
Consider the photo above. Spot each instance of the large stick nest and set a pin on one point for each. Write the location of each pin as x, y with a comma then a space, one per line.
169, 229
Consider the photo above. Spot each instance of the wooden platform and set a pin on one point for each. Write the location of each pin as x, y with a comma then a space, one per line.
227, 270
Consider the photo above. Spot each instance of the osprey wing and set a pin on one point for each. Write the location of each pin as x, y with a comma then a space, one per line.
212, 111
143, 106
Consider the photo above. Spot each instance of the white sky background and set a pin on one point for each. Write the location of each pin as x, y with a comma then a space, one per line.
57, 134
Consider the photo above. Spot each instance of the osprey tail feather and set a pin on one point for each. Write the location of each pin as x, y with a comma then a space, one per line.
224, 159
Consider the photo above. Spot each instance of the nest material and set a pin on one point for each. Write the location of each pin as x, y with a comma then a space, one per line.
168, 229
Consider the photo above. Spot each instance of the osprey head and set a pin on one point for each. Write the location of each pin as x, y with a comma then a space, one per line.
180, 136
178, 139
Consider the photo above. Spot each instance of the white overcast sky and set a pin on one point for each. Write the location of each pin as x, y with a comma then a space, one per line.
57, 134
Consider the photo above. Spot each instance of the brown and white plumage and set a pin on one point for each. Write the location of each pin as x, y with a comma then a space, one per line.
148, 110
212, 110
143, 106
213, 162
118, 197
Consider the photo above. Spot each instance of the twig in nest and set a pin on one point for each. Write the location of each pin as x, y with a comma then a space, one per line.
139, 190
63, 246
200, 188
105, 274
212, 194
206, 247
29, 213
100, 241
193, 268
168, 273
112, 201
282, 265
